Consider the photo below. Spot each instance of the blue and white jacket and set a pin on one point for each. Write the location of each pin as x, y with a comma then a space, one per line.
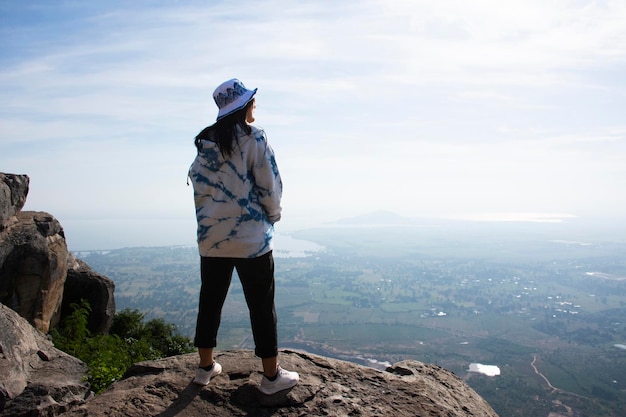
237, 199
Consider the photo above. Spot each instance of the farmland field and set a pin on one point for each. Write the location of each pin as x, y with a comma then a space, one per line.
441, 298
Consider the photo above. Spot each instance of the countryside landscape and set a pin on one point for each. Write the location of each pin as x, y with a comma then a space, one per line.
532, 316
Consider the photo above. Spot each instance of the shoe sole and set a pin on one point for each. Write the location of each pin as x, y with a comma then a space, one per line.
274, 391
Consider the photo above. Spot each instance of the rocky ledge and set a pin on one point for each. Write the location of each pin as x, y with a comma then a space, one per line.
328, 387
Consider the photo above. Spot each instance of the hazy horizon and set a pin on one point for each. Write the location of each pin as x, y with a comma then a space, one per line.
110, 234
454, 110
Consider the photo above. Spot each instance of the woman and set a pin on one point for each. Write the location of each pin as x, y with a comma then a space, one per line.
237, 193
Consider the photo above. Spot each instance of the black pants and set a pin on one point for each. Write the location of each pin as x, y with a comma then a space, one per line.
257, 279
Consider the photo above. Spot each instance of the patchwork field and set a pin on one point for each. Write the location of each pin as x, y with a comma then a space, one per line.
539, 307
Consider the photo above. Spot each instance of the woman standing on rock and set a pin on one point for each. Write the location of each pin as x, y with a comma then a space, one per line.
237, 193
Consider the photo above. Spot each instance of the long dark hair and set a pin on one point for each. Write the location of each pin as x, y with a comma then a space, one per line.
224, 131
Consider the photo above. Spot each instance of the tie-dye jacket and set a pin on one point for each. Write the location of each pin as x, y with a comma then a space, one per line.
237, 199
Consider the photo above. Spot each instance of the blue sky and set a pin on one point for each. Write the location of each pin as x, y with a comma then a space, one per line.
453, 109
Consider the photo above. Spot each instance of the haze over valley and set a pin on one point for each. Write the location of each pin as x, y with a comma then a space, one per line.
530, 314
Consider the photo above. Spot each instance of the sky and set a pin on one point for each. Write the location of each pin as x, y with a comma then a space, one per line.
484, 110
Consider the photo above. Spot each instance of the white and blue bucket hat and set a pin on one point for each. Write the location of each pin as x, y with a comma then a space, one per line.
231, 96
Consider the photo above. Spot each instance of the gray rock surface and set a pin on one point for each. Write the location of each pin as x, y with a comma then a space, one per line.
13, 192
33, 268
36, 378
328, 387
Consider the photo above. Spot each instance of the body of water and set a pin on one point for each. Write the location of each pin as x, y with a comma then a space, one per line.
286, 246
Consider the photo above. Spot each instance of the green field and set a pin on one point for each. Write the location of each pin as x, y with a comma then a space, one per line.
447, 300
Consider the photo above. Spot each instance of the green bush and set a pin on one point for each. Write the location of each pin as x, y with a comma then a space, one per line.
129, 341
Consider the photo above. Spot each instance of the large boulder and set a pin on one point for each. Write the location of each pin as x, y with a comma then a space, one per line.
39, 278
83, 283
33, 268
328, 387
36, 378
13, 192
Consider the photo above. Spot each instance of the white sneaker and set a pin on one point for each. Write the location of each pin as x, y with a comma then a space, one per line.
284, 379
204, 377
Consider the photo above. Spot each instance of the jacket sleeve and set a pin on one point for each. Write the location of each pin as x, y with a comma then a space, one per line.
268, 183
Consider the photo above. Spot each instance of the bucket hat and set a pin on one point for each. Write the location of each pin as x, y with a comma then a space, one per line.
231, 96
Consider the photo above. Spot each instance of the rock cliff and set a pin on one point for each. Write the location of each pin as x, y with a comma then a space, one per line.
39, 279
327, 387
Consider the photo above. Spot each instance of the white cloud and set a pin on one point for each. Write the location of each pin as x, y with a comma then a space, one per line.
434, 107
